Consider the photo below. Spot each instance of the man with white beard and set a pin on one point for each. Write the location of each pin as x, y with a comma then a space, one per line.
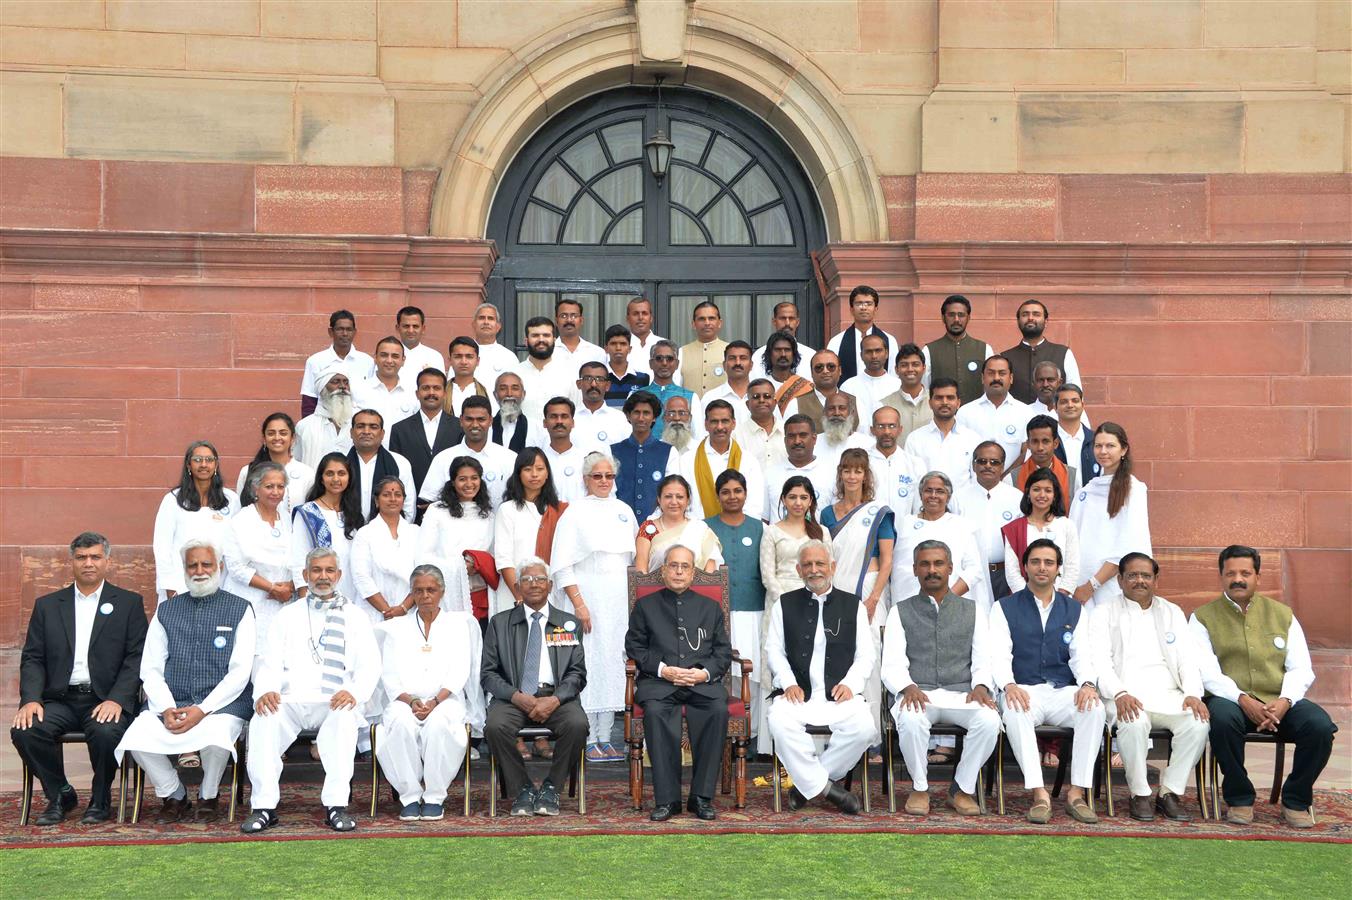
319, 668
678, 432
840, 429
195, 672
510, 428
326, 429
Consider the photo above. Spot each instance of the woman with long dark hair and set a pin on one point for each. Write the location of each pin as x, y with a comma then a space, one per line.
460, 523
1044, 516
1111, 516
279, 439
329, 517
198, 508
525, 522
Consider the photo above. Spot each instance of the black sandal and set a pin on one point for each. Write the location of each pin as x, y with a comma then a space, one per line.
339, 820
261, 820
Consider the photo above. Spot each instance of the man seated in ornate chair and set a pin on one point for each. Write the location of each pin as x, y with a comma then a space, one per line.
679, 641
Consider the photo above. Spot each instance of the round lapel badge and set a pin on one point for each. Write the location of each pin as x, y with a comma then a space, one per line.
1010, 429
868, 522
568, 470
873, 509
718, 371
570, 626
601, 435
918, 525
1065, 637
624, 517
657, 476
1083, 494
903, 492
107, 610
1279, 642
971, 367
746, 541
1169, 637
1009, 516
219, 642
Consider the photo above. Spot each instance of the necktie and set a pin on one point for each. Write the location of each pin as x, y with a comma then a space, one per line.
530, 672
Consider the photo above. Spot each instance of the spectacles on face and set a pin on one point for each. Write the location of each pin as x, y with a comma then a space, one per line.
602, 476
593, 379
987, 461
824, 367
533, 579
203, 459
664, 357
679, 566
1138, 576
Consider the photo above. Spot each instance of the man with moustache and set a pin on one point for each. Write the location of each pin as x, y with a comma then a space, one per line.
497, 461
678, 431
1256, 669
423, 435
1072, 429
782, 361
543, 371
565, 456
390, 391
820, 652
510, 428
571, 348
701, 360
638, 315
348, 359
195, 669
1024, 357
784, 318
371, 462
712, 456
911, 400
464, 383
326, 429
995, 415
848, 345
825, 369
896, 474
494, 359
989, 503
596, 422
737, 365
874, 383
957, 355
762, 434
840, 429
642, 459
623, 380
945, 444
800, 444
663, 386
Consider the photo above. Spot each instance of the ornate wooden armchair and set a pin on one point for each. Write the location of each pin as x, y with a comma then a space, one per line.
714, 586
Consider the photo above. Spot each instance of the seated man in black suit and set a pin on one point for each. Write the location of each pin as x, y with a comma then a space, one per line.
534, 670
682, 650
79, 671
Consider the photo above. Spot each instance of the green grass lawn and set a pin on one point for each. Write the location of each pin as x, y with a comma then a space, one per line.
727, 866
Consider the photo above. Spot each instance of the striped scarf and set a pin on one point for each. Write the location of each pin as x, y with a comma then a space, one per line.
332, 643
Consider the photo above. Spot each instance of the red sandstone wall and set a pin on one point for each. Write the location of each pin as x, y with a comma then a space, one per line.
1228, 363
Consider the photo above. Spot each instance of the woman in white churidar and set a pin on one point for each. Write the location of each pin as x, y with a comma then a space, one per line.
258, 552
279, 438
462, 519
384, 553
1110, 513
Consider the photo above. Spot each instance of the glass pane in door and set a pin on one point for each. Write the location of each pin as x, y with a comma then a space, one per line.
735, 308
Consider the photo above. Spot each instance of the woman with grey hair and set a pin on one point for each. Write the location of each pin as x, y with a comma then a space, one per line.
257, 547
593, 548
935, 523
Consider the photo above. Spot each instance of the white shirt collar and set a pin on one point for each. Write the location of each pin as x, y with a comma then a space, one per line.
98, 592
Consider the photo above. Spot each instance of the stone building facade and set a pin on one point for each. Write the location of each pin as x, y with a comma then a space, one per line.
187, 189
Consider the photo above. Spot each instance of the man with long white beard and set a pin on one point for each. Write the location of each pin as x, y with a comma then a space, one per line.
678, 432
840, 429
326, 429
510, 428
195, 672
319, 668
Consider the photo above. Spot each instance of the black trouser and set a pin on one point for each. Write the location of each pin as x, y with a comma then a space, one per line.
569, 724
707, 720
999, 585
1306, 725
74, 712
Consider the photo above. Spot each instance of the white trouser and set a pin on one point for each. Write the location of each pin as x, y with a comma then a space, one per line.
600, 727
164, 775
852, 727
1190, 737
946, 708
270, 735
746, 640
421, 758
1049, 705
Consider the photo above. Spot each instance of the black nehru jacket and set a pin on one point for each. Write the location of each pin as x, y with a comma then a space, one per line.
683, 630
840, 615
115, 644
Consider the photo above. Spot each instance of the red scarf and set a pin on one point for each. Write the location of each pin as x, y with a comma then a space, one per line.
1016, 533
487, 569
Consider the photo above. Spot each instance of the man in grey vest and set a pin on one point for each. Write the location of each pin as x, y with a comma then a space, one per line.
1025, 356
935, 660
195, 669
957, 354
820, 653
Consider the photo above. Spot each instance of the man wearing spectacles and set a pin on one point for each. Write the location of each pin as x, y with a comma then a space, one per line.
598, 424
534, 670
664, 361
989, 504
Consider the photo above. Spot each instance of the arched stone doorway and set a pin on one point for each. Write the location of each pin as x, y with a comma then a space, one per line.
579, 214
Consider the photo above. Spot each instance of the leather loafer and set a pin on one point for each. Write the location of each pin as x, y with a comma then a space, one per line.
96, 814
1239, 815
207, 810
173, 811
1172, 808
58, 809
1142, 809
918, 804
796, 800
661, 812
701, 808
1298, 818
845, 801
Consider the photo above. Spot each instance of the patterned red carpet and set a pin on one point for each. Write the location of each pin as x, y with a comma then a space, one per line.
609, 812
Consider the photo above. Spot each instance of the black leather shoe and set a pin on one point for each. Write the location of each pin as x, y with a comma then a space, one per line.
661, 812
1171, 807
59, 808
796, 800
1142, 809
701, 808
174, 811
207, 810
96, 814
845, 801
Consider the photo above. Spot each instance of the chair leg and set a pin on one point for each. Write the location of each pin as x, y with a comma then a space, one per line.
582, 783
375, 774
492, 786
1199, 773
1278, 770
739, 798
468, 781
636, 775
1062, 764
1214, 781
889, 776
863, 781
774, 769
1108, 769
726, 767
138, 789
122, 789
26, 802
1000, 773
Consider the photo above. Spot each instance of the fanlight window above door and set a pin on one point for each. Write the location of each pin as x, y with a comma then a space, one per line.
592, 193
720, 195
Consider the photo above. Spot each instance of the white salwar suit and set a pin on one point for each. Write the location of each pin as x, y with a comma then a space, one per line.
213, 738
420, 758
853, 723
1108, 539
253, 549
945, 707
443, 541
1047, 704
382, 564
287, 668
175, 526
593, 549
299, 479
515, 529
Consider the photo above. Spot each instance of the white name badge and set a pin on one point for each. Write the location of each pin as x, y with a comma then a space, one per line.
219, 642
718, 371
746, 542
971, 367
1279, 642
107, 610
657, 476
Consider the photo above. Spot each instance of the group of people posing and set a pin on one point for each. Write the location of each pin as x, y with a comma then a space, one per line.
926, 532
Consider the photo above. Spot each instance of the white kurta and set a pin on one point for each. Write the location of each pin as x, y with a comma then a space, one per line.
956, 532
175, 526
542, 385
869, 391
356, 365
299, 479
566, 469
1108, 539
951, 454
444, 539
602, 427
382, 563
593, 549
147, 733
1060, 531
316, 436
415, 360
365, 472
494, 359
255, 547
301, 544
497, 462
718, 463
821, 472
1005, 424
896, 479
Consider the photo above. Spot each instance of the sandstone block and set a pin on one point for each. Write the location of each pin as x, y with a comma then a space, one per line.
54, 13
1328, 519
178, 119
1139, 23
1222, 67
1333, 26
417, 23
123, 297
345, 125
1133, 208
151, 196
215, 53
1269, 433
1220, 518
1333, 433
329, 200
1310, 579
30, 116
898, 24
176, 16
346, 20
452, 67
69, 382
853, 71
1261, 23
1003, 23
155, 340
425, 124
889, 129
969, 132
1293, 135
1281, 207
985, 207
1316, 476
1162, 348
1031, 67
1333, 70
27, 199
70, 47
499, 23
